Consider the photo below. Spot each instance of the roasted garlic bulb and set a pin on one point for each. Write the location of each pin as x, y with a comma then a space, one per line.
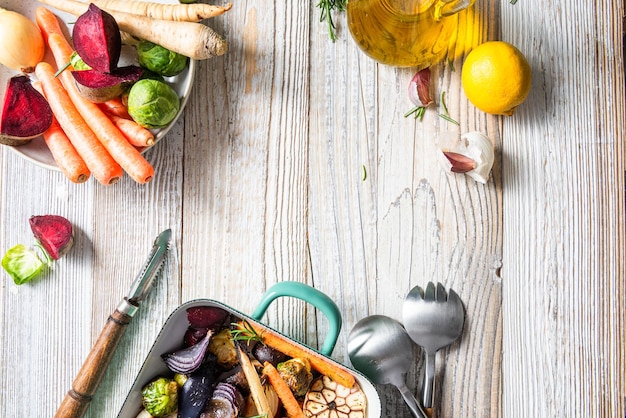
328, 399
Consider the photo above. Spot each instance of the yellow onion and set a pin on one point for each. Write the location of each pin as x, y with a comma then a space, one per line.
21, 44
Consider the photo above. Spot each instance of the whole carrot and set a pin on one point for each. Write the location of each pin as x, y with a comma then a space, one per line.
47, 22
136, 134
100, 163
116, 107
131, 160
68, 160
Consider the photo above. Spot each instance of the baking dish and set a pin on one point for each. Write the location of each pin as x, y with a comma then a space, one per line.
171, 336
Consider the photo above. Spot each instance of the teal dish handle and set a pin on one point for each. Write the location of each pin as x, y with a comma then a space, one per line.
310, 295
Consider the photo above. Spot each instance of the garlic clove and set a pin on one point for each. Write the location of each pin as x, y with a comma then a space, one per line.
459, 163
420, 88
473, 154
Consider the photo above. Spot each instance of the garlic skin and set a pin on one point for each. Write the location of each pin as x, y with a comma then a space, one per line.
420, 88
473, 154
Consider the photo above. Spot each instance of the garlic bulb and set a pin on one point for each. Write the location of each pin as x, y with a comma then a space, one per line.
473, 154
21, 44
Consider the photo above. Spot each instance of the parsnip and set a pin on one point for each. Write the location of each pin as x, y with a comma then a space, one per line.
195, 40
193, 12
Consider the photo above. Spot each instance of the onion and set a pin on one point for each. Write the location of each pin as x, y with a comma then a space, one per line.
21, 44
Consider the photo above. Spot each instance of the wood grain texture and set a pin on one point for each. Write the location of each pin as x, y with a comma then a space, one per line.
293, 161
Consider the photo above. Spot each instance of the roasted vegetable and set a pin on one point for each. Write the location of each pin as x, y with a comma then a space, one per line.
160, 397
327, 398
196, 391
265, 353
205, 316
297, 373
189, 359
225, 402
223, 346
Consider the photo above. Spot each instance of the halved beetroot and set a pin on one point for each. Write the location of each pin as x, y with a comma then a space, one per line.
26, 113
99, 87
55, 234
97, 39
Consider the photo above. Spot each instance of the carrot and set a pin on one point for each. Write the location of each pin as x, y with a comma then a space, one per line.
62, 150
283, 391
136, 134
99, 161
115, 107
131, 160
47, 22
256, 389
285, 346
194, 40
194, 12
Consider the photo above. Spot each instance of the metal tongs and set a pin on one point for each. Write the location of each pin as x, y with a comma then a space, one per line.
76, 402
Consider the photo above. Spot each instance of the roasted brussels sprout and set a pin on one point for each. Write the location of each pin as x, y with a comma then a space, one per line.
297, 373
160, 397
152, 103
159, 59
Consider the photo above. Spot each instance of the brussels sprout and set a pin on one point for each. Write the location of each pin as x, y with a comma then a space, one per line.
22, 264
160, 397
297, 373
152, 103
159, 59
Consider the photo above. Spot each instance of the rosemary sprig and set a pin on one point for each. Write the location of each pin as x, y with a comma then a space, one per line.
246, 333
327, 7
417, 112
446, 114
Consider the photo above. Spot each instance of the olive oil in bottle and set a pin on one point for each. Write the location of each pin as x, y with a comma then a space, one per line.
404, 33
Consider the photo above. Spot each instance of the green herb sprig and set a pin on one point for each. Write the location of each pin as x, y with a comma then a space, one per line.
327, 7
246, 333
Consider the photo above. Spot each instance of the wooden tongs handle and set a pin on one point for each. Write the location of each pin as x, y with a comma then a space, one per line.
78, 398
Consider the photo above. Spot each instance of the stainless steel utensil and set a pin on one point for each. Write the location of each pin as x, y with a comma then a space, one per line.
380, 348
76, 402
433, 319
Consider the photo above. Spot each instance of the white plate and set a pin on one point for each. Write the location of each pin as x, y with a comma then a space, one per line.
36, 150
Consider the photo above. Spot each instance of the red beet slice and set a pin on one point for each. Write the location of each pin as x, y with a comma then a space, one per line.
26, 113
54, 233
99, 87
97, 39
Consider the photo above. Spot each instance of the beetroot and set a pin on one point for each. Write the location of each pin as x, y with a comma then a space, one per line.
97, 39
206, 316
99, 87
26, 114
54, 233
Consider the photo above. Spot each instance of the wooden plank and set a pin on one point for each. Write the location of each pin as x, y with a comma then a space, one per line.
564, 214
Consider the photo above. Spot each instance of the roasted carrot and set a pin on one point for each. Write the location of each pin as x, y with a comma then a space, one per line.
136, 134
100, 163
63, 152
115, 107
193, 12
131, 160
291, 405
194, 40
285, 346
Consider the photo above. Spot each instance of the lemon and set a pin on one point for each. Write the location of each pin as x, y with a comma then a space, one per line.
496, 77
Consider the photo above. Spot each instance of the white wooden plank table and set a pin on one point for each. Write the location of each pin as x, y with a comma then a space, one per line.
263, 180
